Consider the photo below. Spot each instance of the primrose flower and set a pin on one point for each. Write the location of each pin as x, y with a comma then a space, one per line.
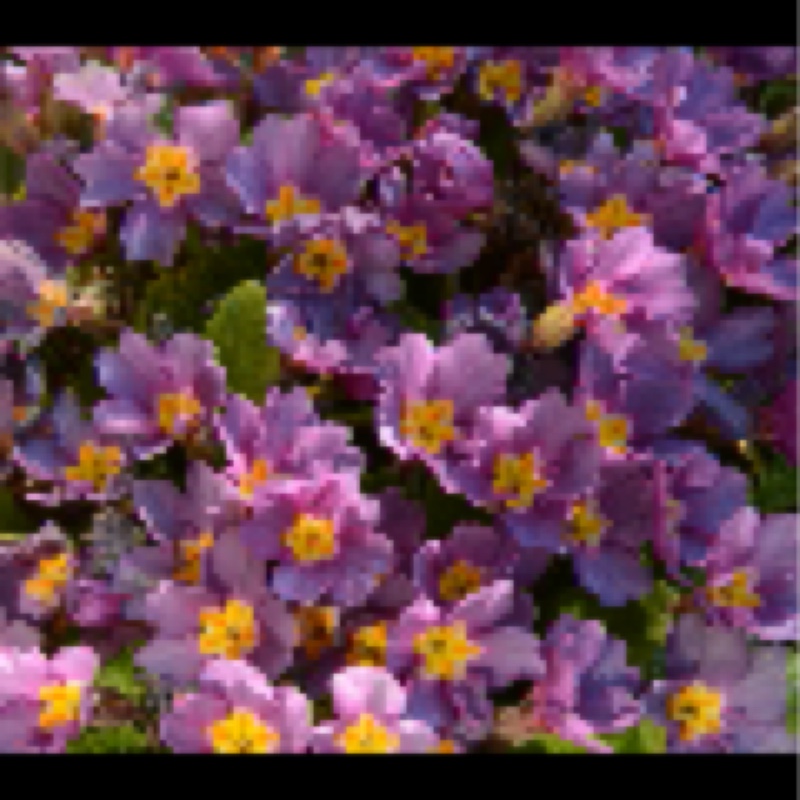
158, 393
450, 659
721, 696
230, 615
751, 576
44, 702
166, 180
429, 395
321, 533
74, 455
587, 687
292, 168
371, 717
235, 710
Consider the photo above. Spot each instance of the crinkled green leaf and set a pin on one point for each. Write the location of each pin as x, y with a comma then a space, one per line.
793, 677
239, 331
774, 487
548, 743
113, 739
121, 675
646, 737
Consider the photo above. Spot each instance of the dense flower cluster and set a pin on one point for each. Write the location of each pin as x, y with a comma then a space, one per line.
397, 399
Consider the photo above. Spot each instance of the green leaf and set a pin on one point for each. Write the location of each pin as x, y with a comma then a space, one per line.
14, 522
548, 743
114, 739
12, 172
239, 331
793, 677
774, 487
646, 737
121, 675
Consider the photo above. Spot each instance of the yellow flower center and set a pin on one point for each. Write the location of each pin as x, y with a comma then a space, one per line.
314, 86
413, 239
691, 349
444, 746
367, 735
429, 425
500, 77
166, 172
459, 580
172, 408
736, 593
78, 237
52, 296
445, 651
290, 203
52, 575
698, 710
95, 465
323, 260
61, 704
190, 558
316, 626
596, 298
612, 429
613, 215
242, 732
586, 525
594, 95
437, 59
519, 478
368, 646
255, 476
311, 539
229, 632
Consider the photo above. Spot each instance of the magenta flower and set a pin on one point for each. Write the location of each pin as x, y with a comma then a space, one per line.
44, 702
235, 710
321, 532
158, 393
372, 717
779, 422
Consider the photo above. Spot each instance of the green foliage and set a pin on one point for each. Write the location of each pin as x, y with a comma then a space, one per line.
774, 487
14, 522
12, 172
122, 676
793, 677
646, 737
238, 329
113, 739
204, 272
546, 743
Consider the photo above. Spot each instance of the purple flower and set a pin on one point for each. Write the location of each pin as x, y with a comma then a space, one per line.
758, 63
321, 533
587, 687
431, 395
292, 167
31, 299
471, 557
158, 393
751, 575
696, 495
372, 716
331, 252
779, 422
719, 695
37, 573
235, 710
44, 702
167, 180
450, 659
746, 222
229, 615
50, 218
81, 460
499, 314
284, 438
529, 464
